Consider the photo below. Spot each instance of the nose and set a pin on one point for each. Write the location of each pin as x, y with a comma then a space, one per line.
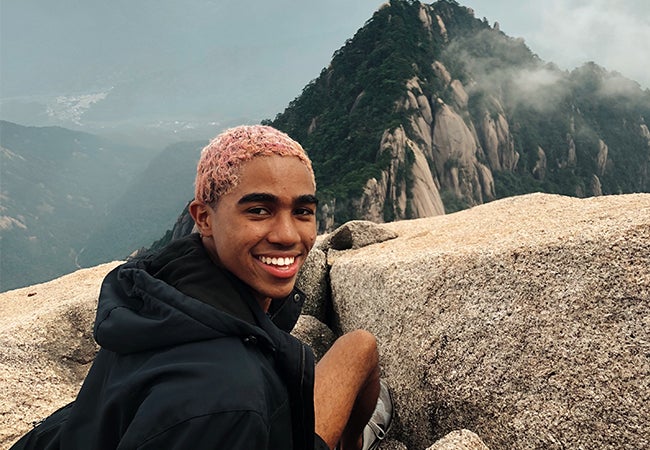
284, 230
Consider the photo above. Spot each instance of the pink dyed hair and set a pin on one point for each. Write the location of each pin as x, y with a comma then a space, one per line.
218, 170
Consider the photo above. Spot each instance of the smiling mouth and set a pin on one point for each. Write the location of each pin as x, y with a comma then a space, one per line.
279, 262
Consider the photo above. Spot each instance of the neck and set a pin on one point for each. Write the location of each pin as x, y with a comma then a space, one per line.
265, 303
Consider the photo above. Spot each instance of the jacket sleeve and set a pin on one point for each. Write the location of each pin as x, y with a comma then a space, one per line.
238, 430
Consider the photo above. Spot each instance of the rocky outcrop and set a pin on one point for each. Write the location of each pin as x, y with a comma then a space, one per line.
498, 143
595, 186
523, 320
461, 99
425, 18
454, 154
46, 347
539, 171
452, 139
601, 158
406, 188
443, 28
645, 132
518, 324
457, 159
355, 234
439, 149
572, 157
441, 72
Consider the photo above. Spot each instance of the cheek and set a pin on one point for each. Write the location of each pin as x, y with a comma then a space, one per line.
310, 237
240, 237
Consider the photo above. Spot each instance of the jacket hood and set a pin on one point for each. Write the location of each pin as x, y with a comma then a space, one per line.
142, 306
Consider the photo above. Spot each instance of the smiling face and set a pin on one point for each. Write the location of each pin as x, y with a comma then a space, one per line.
262, 229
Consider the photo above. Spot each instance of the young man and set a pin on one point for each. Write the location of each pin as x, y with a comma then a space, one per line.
195, 350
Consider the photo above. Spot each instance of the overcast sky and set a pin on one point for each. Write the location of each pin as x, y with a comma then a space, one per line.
614, 34
65, 47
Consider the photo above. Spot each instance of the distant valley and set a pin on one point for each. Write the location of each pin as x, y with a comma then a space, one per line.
72, 199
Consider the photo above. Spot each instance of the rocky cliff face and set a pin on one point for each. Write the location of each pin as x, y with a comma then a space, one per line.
407, 187
522, 322
437, 149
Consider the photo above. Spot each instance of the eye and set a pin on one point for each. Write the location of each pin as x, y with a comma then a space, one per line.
258, 211
304, 211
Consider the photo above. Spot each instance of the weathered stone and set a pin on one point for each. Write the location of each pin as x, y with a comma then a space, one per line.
425, 18
452, 139
572, 155
524, 320
448, 153
357, 234
460, 96
326, 217
314, 333
595, 186
497, 140
443, 28
46, 347
459, 440
391, 444
645, 132
454, 155
313, 280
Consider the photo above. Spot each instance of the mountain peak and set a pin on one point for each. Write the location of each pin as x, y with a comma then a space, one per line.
431, 86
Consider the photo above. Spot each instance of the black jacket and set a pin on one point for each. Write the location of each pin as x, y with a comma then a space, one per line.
189, 360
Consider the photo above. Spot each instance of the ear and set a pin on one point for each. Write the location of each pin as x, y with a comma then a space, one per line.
200, 212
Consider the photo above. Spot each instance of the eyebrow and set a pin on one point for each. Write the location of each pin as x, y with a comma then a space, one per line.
307, 199
262, 197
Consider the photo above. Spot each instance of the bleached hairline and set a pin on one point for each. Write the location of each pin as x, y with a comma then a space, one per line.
220, 163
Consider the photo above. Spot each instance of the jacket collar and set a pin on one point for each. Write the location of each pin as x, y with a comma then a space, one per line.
186, 265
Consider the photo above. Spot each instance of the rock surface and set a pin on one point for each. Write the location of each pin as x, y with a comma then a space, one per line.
314, 333
356, 234
459, 440
46, 347
524, 320
313, 280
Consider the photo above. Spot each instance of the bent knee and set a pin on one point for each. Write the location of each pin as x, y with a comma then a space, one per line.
362, 340
363, 337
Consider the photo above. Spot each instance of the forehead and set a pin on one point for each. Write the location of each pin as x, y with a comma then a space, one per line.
275, 174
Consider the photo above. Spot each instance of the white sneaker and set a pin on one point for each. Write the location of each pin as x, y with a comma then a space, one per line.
381, 419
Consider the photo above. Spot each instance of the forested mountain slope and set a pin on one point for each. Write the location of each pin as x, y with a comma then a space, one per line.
56, 188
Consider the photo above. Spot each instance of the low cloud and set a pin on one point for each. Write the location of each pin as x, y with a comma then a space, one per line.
541, 89
618, 86
510, 71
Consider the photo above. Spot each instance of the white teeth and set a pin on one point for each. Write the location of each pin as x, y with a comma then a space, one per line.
278, 261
